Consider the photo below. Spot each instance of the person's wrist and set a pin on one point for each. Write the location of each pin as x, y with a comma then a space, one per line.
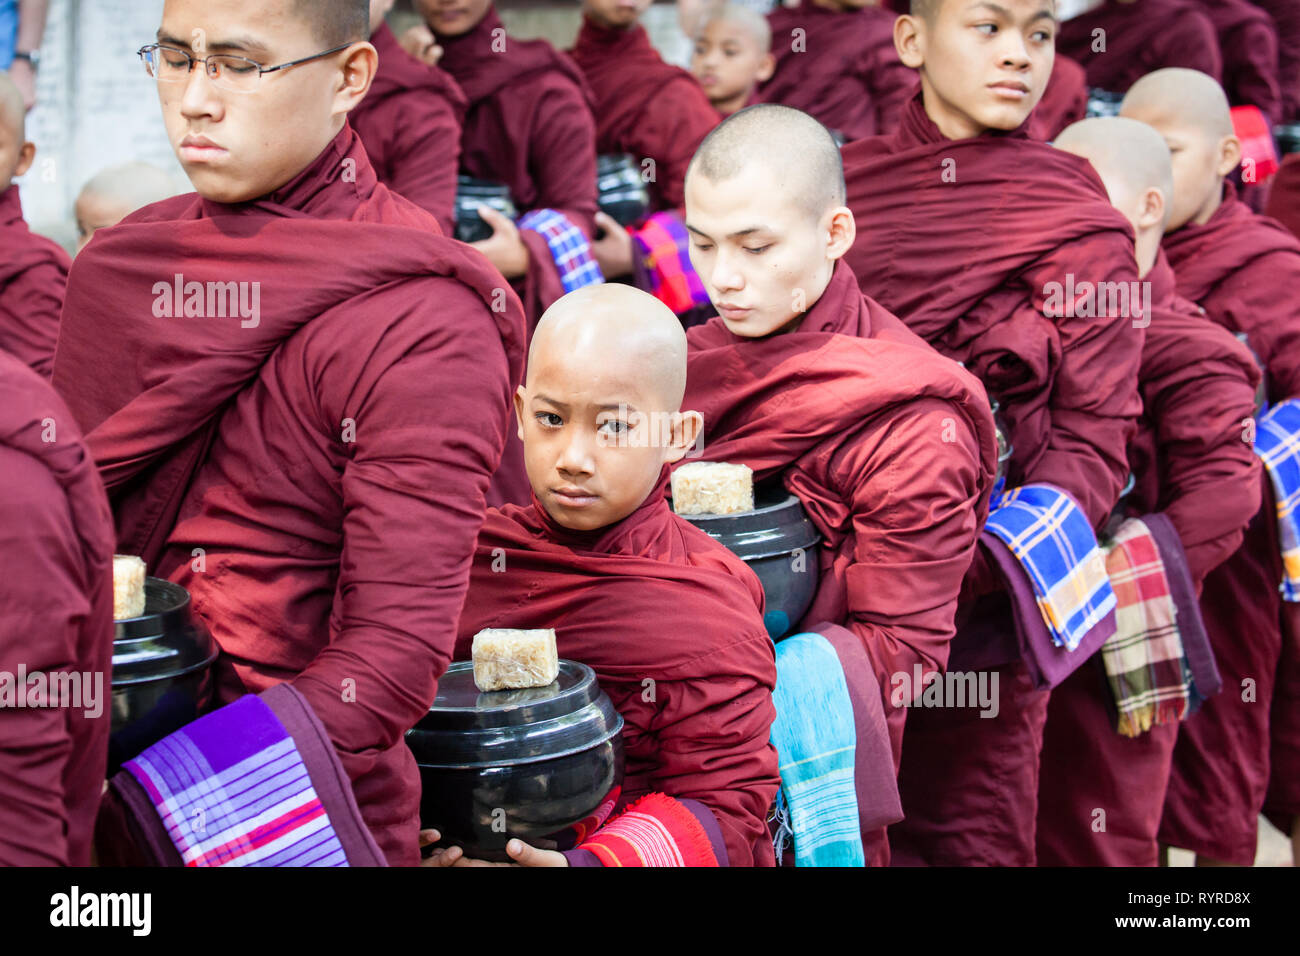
31, 57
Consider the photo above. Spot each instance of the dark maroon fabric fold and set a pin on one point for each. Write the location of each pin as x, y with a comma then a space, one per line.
1191, 628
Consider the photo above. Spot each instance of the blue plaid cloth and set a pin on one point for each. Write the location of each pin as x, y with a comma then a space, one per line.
569, 247
816, 744
1053, 542
1277, 443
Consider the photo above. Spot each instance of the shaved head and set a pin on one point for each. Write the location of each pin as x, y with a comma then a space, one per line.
600, 412
336, 22
1188, 98
133, 185
608, 325
1130, 157
13, 112
790, 143
750, 19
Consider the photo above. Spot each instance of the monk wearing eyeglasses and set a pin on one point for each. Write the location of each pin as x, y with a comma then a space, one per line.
295, 387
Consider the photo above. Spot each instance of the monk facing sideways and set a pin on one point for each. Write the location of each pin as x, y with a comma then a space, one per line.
529, 127
1242, 269
114, 193
888, 445
33, 270
56, 620
732, 56
836, 60
633, 591
644, 106
993, 297
318, 389
410, 124
1191, 464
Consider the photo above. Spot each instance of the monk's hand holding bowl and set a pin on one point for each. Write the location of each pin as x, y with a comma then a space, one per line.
612, 247
520, 852
504, 248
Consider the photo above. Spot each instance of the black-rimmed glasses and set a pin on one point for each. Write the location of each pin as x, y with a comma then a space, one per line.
238, 74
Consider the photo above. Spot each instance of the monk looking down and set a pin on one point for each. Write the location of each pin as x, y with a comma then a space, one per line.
287, 451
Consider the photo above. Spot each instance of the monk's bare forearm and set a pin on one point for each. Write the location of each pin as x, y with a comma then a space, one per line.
32, 15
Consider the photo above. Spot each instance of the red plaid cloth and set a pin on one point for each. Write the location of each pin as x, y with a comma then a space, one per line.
654, 831
665, 269
1145, 666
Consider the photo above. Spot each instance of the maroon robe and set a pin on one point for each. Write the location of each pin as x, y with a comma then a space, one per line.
1284, 194
33, 273
1140, 38
1198, 386
1068, 390
56, 616
1249, 43
1282, 802
888, 446
844, 72
704, 734
1286, 18
316, 480
529, 126
644, 106
1239, 267
1065, 100
410, 125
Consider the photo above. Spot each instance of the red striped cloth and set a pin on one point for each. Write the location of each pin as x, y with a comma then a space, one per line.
655, 831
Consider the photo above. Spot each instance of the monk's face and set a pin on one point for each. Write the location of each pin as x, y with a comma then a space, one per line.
614, 14
984, 65
595, 433
236, 146
763, 258
729, 62
451, 18
1200, 161
95, 212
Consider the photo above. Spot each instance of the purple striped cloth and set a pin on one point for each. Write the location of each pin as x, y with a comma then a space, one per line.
255, 783
569, 247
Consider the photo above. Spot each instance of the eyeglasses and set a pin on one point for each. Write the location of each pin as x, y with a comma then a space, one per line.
237, 74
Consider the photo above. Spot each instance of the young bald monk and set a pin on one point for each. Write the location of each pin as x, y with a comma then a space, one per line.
643, 105
317, 389
732, 56
114, 193
835, 59
528, 127
1191, 465
632, 590
992, 297
888, 445
56, 618
33, 270
1239, 267
1137, 37
410, 124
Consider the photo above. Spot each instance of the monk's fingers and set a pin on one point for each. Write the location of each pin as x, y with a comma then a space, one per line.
418, 40
429, 836
526, 855
608, 224
433, 55
501, 224
448, 856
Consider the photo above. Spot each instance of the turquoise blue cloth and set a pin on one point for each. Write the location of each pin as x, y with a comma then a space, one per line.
8, 31
816, 745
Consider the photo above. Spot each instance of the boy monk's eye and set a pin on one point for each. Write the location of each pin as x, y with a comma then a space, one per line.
615, 425
758, 250
237, 66
703, 246
988, 29
549, 419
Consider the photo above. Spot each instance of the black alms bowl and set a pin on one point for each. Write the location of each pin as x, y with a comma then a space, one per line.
472, 193
621, 192
779, 542
160, 670
522, 763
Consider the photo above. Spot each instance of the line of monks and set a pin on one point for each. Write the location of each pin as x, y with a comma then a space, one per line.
855, 227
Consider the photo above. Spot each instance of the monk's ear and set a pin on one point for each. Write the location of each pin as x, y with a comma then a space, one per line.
688, 428
359, 65
1229, 155
766, 67
521, 400
26, 156
1151, 209
909, 41
843, 230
